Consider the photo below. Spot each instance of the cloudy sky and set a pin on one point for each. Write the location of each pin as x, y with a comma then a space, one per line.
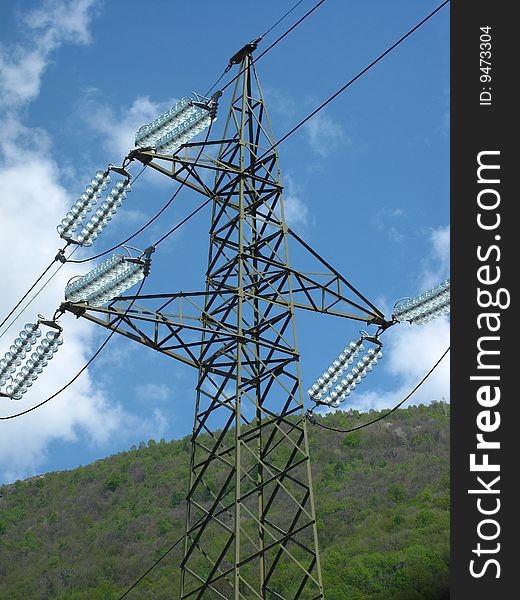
366, 184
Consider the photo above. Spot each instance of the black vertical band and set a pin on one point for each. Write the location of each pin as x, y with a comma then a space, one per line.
484, 267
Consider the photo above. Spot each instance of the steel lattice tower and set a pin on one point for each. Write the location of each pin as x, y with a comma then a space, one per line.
250, 520
263, 511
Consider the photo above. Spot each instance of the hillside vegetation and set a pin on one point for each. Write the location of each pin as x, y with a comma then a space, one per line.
382, 504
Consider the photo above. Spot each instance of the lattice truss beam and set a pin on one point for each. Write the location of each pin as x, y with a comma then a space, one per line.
251, 524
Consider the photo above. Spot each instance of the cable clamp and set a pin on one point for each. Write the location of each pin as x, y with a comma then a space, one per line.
371, 338
237, 58
213, 104
120, 171
310, 416
61, 256
78, 311
210, 104
52, 324
147, 254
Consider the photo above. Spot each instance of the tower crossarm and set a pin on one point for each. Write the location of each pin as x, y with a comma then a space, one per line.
178, 332
195, 164
325, 292
320, 292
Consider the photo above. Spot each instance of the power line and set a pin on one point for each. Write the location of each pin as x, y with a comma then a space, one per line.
210, 516
315, 111
148, 223
187, 218
193, 213
152, 567
258, 39
89, 362
84, 260
207, 136
13, 321
313, 420
54, 274
343, 88
360, 74
98, 351
157, 215
283, 540
216, 83
25, 296
137, 581
281, 19
279, 39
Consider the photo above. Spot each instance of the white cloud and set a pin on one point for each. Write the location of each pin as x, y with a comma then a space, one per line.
296, 212
280, 102
437, 265
324, 134
33, 201
390, 221
441, 244
59, 21
20, 74
117, 128
157, 426
410, 351
44, 30
152, 392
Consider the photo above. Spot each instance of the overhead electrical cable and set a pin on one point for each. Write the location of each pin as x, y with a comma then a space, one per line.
163, 555
115, 247
288, 31
67, 259
311, 418
25, 296
20, 313
314, 112
355, 78
122, 316
267, 32
62, 259
88, 363
180, 223
279, 39
289, 133
152, 567
207, 136
283, 138
274, 25
155, 217
94, 356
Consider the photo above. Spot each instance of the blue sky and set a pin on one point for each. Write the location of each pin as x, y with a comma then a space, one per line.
366, 184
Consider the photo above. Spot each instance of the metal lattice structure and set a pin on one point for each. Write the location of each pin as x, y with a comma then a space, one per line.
250, 520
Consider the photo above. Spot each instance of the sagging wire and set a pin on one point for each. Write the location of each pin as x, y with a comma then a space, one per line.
309, 415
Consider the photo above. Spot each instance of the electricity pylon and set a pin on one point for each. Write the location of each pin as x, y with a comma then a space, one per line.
250, 521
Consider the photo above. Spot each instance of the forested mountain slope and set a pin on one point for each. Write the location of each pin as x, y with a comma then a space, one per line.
382, 504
